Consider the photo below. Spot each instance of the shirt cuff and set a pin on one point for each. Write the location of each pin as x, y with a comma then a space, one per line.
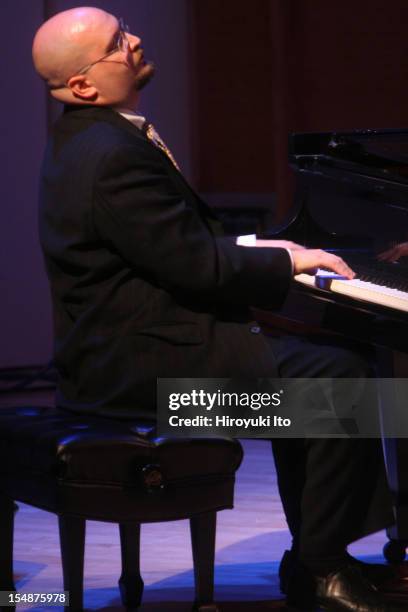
292, 263
249, 240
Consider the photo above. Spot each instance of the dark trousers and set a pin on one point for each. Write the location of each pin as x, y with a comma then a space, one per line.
333, 491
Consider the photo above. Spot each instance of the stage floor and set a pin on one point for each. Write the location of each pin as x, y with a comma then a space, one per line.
250, 542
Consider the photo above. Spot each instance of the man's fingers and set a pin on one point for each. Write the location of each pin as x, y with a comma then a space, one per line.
308, 260
394, 254
336, 264
388, 256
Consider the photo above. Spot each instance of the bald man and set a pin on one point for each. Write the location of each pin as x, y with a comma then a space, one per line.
145, 284
67, 46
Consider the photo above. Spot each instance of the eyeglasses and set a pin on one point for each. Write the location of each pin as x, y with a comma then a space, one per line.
121, 44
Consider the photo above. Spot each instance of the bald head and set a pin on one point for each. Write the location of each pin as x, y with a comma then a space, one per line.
86, 57
67, 42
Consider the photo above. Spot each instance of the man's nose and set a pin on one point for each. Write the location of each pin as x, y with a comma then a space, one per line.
134, 41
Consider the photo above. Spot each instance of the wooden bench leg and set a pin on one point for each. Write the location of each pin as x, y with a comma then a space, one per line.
72, 541
6, 546
202, 529
130, 583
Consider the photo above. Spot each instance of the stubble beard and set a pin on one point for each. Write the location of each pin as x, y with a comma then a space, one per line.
145, 75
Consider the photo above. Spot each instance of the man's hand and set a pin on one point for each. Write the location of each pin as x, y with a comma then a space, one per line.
279, 244
393, 254
309, 260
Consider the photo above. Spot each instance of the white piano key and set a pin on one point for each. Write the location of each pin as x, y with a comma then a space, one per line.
358, 289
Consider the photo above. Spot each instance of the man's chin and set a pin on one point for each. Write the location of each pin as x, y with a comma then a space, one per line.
145, 75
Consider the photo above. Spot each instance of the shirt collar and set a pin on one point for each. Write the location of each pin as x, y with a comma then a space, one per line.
137, 120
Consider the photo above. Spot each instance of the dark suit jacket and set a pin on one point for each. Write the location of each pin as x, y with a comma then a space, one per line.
144, 284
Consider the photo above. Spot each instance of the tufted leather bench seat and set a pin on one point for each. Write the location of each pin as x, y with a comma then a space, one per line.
85, 467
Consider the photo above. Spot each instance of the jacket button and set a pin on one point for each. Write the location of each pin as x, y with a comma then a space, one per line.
255, 329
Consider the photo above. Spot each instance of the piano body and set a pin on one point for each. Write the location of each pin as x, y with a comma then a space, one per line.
352, 199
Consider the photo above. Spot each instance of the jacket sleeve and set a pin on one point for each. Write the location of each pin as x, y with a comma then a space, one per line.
141, 213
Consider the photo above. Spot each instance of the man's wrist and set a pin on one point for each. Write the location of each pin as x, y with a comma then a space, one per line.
249, 240
292, 263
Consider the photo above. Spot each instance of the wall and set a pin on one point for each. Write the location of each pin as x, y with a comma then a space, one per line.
24, 306
270, 67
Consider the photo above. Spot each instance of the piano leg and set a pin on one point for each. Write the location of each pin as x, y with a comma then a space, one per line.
394, 365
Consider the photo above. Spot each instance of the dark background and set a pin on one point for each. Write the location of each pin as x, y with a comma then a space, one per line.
234, 78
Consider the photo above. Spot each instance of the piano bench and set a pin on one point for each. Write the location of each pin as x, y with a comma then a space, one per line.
86, 467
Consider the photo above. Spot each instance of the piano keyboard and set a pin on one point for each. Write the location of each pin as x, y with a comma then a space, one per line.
358, 289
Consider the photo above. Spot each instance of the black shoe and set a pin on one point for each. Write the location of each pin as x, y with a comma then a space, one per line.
345, 590
376, 573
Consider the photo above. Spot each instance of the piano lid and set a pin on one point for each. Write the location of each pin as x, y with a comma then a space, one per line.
352, 187
376, 153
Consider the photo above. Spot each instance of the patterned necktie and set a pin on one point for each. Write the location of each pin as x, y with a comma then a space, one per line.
154, 137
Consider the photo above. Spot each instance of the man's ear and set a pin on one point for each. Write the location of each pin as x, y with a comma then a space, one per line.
82, 88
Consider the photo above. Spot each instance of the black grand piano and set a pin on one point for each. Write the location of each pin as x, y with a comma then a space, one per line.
352, 199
